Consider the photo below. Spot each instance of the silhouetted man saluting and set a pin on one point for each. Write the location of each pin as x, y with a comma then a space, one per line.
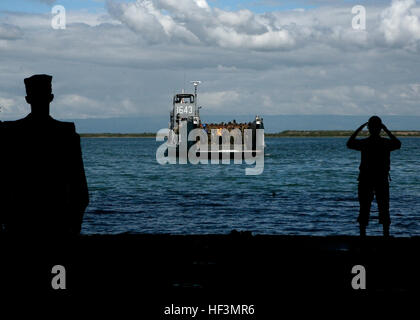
44, 188
374, 171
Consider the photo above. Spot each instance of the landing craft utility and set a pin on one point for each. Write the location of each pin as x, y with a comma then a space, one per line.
213, 140
188, 140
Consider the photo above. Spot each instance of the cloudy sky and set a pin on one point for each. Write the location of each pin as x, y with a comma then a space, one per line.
268, 57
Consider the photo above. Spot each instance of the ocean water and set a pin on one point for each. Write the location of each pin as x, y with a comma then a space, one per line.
308, 187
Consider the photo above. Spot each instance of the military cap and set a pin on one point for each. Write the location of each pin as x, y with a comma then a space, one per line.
38, 83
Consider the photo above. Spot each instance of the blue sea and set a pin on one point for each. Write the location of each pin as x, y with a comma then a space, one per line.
308, 187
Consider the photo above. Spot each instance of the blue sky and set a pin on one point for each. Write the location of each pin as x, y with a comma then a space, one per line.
34, 6
257, 6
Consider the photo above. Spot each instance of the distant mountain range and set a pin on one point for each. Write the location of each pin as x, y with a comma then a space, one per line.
273, 124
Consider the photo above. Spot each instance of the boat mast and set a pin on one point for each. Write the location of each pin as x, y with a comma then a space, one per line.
195, 83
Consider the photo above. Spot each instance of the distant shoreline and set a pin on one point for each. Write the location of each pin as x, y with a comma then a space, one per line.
118, 135
283, 134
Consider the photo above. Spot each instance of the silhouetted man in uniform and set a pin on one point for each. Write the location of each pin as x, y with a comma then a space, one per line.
44, 185
374, 171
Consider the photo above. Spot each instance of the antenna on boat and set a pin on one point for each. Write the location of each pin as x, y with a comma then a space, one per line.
195, 83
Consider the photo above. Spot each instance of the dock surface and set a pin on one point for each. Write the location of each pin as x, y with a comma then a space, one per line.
238, 267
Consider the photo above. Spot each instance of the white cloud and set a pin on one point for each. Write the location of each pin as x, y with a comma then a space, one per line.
152, 24
223, 68
399, 24
10, 32
130, 60
219, 99
82, 107
12, 107
193, 21
6, 104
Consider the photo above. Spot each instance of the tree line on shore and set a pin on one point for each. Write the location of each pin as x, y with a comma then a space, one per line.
286, 133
